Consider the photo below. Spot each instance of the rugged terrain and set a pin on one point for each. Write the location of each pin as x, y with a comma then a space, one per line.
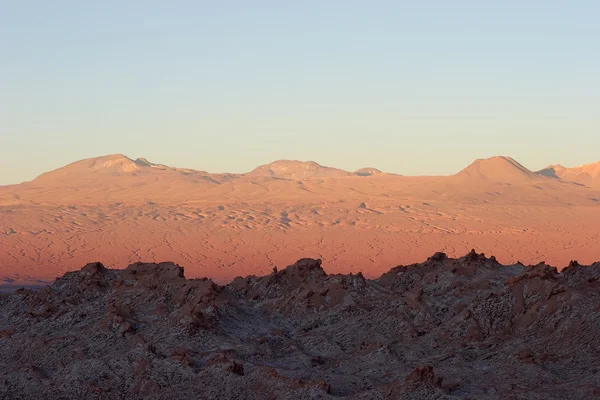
466, 328
121, 210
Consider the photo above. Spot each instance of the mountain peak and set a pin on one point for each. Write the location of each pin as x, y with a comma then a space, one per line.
294, 169
592, 169
498, 169
586, 174
368, 171
114, 163
143, 162
111, 165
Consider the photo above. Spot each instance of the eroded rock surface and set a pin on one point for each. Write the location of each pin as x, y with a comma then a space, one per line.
466, 328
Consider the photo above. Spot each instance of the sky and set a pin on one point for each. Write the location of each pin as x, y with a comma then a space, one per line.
416, 88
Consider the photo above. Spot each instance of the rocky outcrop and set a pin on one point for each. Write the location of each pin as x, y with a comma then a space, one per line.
443, 329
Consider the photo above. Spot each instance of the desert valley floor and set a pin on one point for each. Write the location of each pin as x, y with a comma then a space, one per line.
118, 211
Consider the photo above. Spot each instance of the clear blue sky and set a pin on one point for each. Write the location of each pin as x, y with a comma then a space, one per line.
408, 87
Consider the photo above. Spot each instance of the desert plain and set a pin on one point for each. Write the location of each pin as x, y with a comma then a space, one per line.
118, 210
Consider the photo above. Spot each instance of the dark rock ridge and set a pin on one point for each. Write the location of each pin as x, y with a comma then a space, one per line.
466, 328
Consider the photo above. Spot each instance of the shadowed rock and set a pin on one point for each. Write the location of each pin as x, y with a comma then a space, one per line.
147, 332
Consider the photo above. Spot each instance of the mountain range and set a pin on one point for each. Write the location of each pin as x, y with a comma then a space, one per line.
119, 177
122, 210
499, 168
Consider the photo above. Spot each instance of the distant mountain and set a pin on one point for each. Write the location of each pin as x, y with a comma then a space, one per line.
368, 171
113, 165
587, 174
118, 178
109, 168
115, 177
498, 169
297, 170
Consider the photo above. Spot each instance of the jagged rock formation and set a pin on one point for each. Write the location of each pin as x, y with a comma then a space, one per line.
444, 329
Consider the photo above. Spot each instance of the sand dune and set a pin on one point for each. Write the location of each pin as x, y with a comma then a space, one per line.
121, 210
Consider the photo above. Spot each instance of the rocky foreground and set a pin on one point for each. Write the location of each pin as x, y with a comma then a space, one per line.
466, 328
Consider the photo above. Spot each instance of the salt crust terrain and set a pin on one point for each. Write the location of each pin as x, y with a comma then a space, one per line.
466, 328
121, 211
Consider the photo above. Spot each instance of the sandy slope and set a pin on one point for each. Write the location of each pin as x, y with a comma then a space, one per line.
120, 211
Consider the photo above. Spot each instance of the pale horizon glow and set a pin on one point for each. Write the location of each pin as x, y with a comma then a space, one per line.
413, 89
